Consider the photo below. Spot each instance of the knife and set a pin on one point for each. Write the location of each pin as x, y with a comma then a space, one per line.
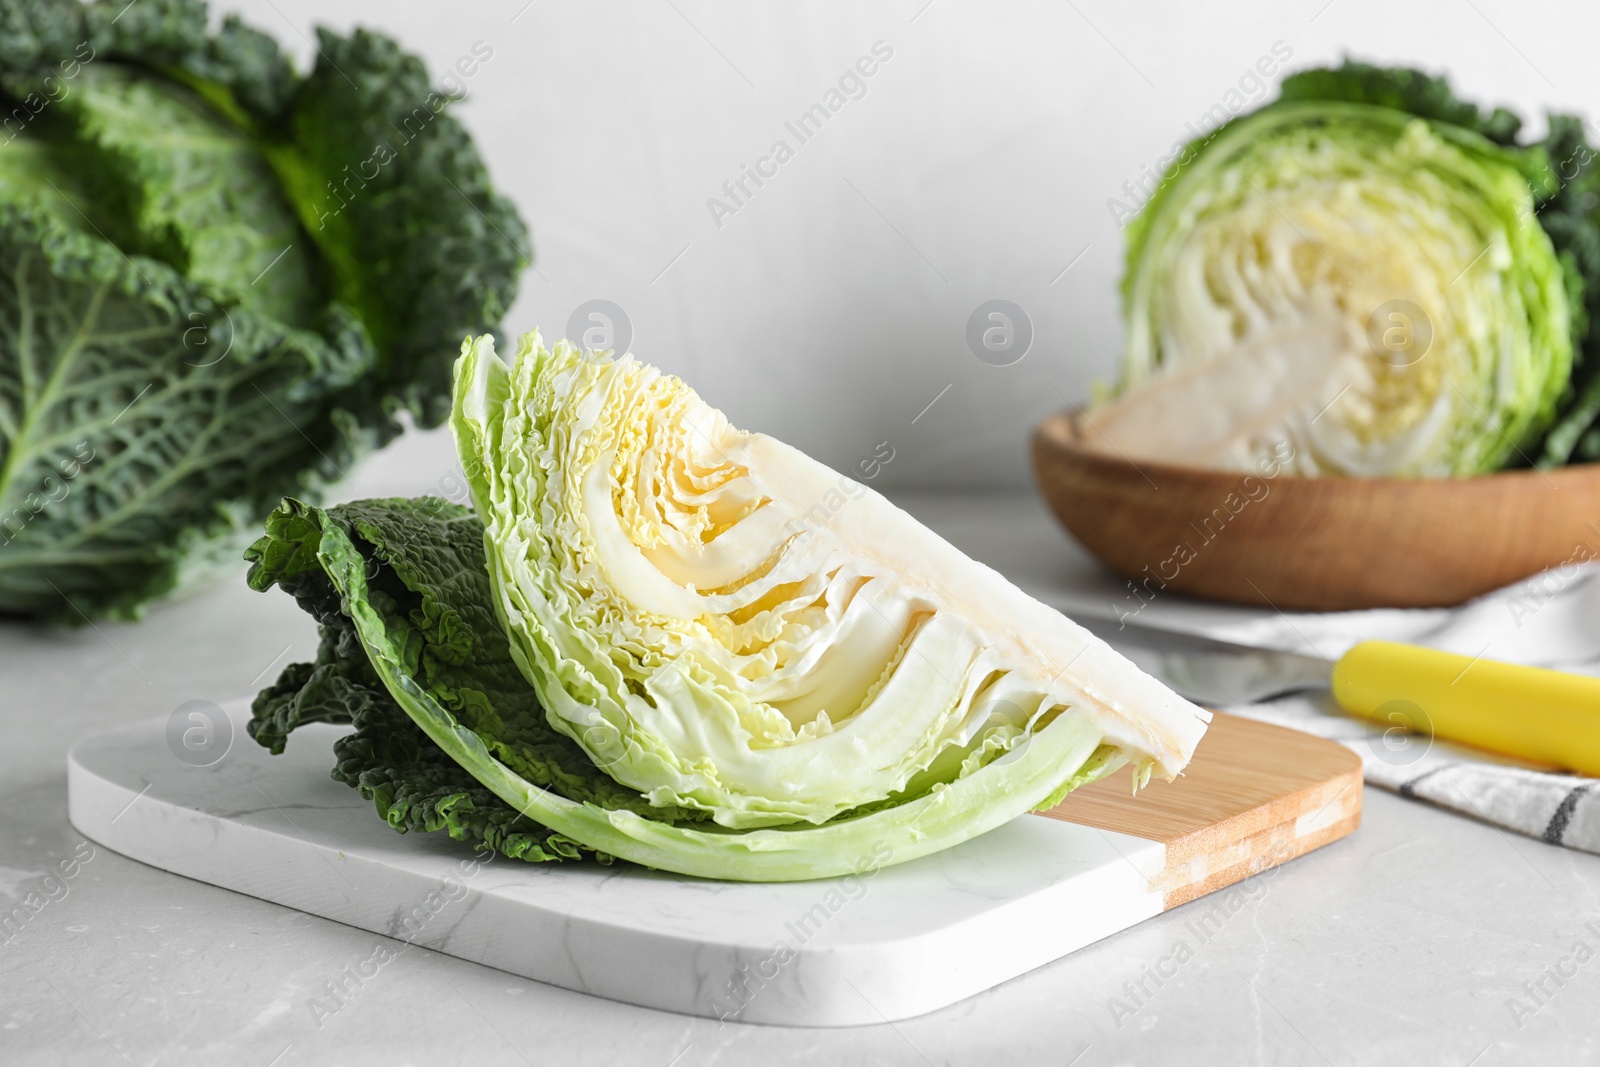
1532, 713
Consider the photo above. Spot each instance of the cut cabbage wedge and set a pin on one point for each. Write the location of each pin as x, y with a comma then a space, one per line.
730, 627
659, 639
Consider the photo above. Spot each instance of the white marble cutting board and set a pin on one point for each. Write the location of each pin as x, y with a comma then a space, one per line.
906, 940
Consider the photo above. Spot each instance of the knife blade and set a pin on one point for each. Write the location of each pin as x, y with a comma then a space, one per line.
1544, 716
1206, 670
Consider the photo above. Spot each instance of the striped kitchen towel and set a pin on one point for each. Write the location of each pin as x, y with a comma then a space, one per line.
1550, 620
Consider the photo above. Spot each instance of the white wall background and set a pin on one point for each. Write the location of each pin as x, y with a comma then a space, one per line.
831, 308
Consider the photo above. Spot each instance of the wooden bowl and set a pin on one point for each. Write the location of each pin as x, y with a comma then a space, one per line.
1314, 544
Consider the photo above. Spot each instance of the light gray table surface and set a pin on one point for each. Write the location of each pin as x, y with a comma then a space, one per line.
1405, 943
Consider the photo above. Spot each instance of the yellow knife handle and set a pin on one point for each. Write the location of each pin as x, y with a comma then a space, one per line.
1536, 714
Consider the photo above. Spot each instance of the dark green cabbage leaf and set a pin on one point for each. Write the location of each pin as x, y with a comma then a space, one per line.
221, 283
425, 575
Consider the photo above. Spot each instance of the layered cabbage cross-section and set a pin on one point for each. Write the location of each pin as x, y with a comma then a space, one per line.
728, 626
1358, 289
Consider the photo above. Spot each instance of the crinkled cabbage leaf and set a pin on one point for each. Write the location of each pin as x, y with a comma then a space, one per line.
220, 283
